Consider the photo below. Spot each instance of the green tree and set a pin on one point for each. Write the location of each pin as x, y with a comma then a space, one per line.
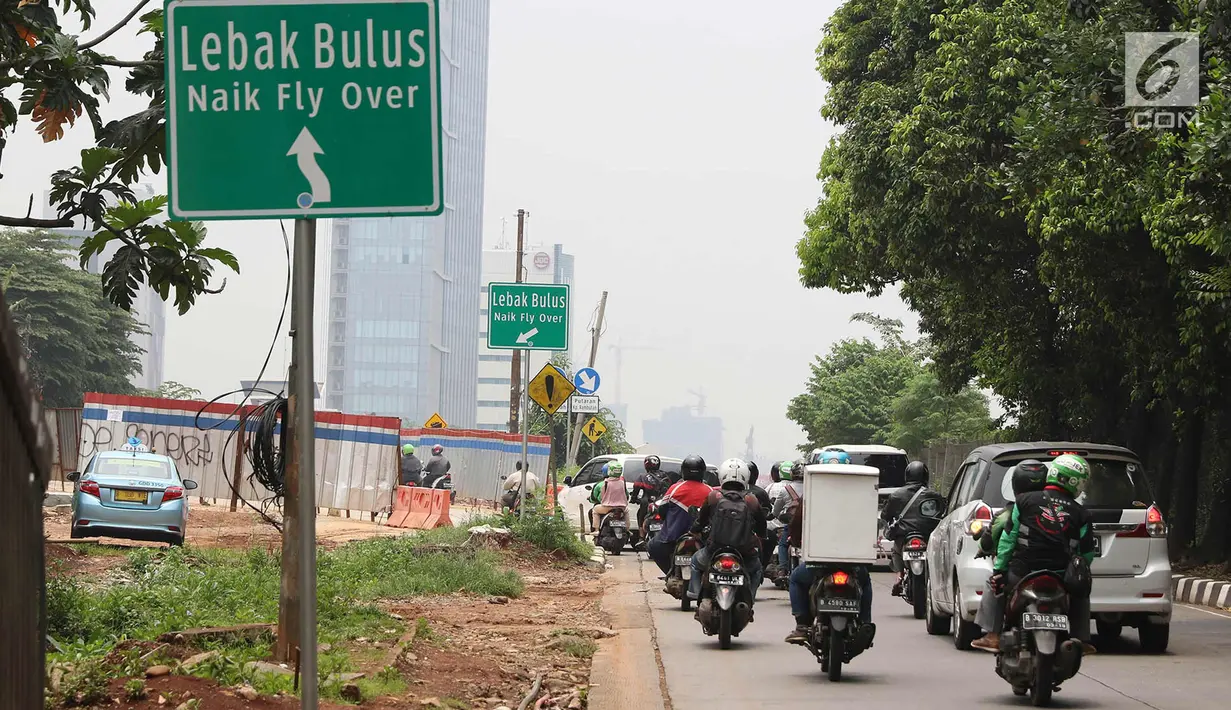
76, 340
62, 77
925, 413
173, 390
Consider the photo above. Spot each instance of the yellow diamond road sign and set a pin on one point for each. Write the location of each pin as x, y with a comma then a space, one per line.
436, 422
551, 388
594, 429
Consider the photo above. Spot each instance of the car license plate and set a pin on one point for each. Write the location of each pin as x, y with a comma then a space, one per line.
1098, 546
682, 560
914, 555
1032, 621
736, 579
838, 605
131, 496
655, 527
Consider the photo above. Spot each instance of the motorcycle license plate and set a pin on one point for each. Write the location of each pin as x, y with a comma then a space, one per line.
1032, 621
838, 605
682, 560
914, 555
618, 524
655, 527
736, 579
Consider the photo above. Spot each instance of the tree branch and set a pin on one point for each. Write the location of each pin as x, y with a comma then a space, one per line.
36, 223
131, 14
113, 62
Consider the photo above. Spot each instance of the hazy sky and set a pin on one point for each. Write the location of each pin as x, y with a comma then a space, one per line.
671, 147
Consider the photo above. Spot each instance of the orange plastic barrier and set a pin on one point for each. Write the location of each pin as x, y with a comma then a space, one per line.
420, 508
401, 507
551, 497
439, 515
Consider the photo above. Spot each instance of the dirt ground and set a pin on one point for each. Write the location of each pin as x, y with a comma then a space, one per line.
477, 653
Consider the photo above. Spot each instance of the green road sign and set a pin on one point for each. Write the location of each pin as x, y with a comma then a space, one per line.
303, 108
527, 316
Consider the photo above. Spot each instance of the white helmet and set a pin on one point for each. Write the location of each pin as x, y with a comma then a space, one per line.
734, 471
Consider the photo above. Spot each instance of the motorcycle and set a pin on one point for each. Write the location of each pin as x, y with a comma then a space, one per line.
783, 579
1037, 652
444, 482
652, 525
837, 635
613, 531
681, 570
914, 591
725, 606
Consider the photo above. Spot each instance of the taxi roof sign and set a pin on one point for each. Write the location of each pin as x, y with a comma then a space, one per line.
134, 444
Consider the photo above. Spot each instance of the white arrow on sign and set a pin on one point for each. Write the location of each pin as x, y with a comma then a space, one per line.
524, 338
305, 149
587, 383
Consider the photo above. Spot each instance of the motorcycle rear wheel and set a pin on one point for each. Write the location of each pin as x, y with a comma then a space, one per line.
724, 629
917, 598
1040, 692
685, 603
836, 652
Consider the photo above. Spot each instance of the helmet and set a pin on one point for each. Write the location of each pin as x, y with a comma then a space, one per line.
408, 449
917, 472
652, 463
753, 473
693, 468
615, 469
799, 468
1069, 472
774, 474
605, 467
784, 470
438, 450
835, 457
733, 474
1029, 475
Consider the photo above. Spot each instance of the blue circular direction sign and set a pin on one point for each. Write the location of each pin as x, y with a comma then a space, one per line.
587, 380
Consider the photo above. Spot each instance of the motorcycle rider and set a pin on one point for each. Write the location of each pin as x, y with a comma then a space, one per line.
608, 494
1049, 530
675, 507
412, 467
903, 514
436, 467
648, 488
769, 542
790, 494
733, 487
1029, 475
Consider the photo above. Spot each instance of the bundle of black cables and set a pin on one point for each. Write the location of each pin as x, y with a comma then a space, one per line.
266, 445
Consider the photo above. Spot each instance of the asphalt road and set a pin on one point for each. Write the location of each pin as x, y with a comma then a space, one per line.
908, 668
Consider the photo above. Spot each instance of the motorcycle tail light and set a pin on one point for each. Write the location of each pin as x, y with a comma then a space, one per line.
915, 544
840, 578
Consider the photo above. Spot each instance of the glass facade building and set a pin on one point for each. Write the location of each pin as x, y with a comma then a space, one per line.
403, 292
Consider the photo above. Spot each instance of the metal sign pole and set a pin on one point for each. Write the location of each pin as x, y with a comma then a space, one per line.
303, 387
568, 432
525, 437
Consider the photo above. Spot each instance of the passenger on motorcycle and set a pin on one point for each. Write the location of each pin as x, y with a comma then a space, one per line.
741, 525
608, 494
436, 467
1050, 530
775, 475
790, 496
1027, 476
770, 540
649, 487
675, 507
913, 509
412, 467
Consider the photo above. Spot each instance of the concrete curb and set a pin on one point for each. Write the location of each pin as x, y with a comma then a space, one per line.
1198, 590
599, 558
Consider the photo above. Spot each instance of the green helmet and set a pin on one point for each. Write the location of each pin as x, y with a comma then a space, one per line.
1069, 472
408, 449
784, 470
615, 469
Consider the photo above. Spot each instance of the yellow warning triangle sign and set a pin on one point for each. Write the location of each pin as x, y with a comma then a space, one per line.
436, 422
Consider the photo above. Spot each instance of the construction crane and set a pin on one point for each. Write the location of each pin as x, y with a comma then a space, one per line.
700, 401
619, 347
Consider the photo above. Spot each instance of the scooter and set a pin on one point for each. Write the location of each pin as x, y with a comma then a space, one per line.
653, 525
725, 606
676, 583
783, 579
914, 591
613, 531
1037, 652
445, 482
837, 635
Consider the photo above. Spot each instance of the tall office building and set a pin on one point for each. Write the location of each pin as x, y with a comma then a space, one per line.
679, 433
403, 292
539, 265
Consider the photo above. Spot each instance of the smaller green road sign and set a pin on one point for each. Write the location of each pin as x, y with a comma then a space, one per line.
303, 108
527, 316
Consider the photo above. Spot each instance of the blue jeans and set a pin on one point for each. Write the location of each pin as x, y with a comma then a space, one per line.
661, 552
701, 562
801, 583
784, 551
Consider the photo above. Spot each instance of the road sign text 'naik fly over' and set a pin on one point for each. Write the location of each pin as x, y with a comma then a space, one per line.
303, 108
527, 316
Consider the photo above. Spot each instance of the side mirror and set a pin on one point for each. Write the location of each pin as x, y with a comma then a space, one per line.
189, 484
505, 477
73, 476
568, 480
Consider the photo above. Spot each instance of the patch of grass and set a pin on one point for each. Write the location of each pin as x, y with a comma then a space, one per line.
550, 533
576, 646
134, 689
96, 550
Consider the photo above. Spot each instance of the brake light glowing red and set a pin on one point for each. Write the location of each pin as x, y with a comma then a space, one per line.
1154, 522
915, 544
90, 488
840, 578
172, 493
1062, 453
726, 563
981, 514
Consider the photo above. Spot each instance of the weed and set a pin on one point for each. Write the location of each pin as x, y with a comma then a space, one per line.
134, 689
423, 631
224, 668
550, 533
388, 674
86, 683
576, 646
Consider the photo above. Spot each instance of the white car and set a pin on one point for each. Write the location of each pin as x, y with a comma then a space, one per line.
575, 496
1132, 570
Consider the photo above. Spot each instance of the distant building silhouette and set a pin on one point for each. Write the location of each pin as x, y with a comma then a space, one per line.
678, 432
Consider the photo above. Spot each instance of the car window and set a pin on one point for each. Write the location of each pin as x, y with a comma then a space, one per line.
963, 473
671, 468
132, 467
1113, 484
970, 486
891, 466
591, 473
633, 470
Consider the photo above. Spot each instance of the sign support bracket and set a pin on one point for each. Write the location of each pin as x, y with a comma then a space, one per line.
525, 438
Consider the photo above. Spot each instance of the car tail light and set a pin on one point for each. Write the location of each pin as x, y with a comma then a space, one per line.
172, 493
915, 544
1154, 522
982, 514
1054, 454
90, 488
840, 578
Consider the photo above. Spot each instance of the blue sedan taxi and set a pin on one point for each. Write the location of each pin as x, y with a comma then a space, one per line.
131, 493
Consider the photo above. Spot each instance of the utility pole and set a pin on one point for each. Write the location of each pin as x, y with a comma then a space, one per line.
515, 376
297, 598
596, 333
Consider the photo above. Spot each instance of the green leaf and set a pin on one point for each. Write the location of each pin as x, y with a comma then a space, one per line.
123, 275
94, 160
221, 255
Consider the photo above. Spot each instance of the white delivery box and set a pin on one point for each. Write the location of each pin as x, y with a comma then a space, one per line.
840, 513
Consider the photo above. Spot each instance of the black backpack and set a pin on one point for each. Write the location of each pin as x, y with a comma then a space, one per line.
731, 525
